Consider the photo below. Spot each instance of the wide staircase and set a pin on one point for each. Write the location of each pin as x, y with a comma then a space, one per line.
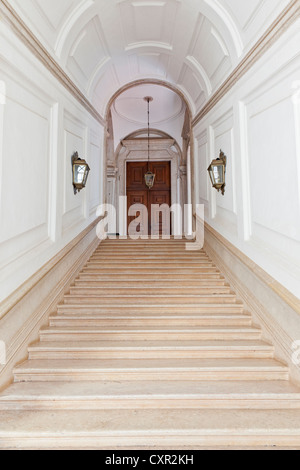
150, 349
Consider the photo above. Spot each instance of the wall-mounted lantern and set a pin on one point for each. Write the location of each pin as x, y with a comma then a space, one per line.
80, 171
217, 172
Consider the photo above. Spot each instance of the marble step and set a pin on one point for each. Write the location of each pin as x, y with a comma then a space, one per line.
150, 240
103, 283
150, 333
150, 276
165, 239
145, 254
149, 290
264, 395
151, 264
151, 349
149, 261
148, 320
150, 249
149, 298
151, 246
158, 429
159, 269
148, 256
152, 252
150, 369
152, 309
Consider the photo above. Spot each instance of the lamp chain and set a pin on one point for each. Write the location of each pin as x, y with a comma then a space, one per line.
148, 134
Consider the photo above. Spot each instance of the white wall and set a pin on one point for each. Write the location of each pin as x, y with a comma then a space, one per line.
41, 125
257, 125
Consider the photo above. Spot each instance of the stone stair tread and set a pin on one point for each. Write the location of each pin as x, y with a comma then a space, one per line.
166, 270
170, 241
165, 345
150, 283
163, 256
131, 390
158, 427
147, 295
179, 255
141, 245
153, 251
148, 251
147, 316
138, 309
147, 258
112, 305
149, 262
150, 277
149, 364
164, 329
133, 311
151, 288
144, 269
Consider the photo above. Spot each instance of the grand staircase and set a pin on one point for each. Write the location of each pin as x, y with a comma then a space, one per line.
150, 349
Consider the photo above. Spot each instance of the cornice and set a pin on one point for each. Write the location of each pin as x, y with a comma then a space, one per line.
288, 16
22, 31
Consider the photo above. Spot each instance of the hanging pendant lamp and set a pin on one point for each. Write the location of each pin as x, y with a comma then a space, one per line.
149, 176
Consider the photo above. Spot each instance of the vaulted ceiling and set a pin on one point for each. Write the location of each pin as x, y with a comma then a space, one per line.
106, 44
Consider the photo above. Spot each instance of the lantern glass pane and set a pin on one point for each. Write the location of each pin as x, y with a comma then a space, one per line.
218, 174
79, 172
149, 178
85, 176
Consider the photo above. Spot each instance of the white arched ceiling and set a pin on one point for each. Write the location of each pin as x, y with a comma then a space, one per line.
191, 44
130, 111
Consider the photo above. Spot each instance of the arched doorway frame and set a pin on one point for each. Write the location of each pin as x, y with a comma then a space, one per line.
114, 172
167, 150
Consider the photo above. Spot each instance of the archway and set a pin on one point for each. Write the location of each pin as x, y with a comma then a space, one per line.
170, 141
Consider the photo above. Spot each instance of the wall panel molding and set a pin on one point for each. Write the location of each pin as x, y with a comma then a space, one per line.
289, 15
271, 305
25, 311
274, 285
34, 45
26, 287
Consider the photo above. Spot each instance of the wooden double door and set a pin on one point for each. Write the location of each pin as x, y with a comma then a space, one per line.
152, 221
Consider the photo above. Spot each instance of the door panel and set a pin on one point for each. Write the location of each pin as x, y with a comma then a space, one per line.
160, 216
136, 176
162, 176
160, 194
142, 224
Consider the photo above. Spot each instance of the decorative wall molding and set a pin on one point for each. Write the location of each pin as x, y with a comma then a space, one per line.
272, 307
34, 45
289, 15
11, 301
274, 285
31, 306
